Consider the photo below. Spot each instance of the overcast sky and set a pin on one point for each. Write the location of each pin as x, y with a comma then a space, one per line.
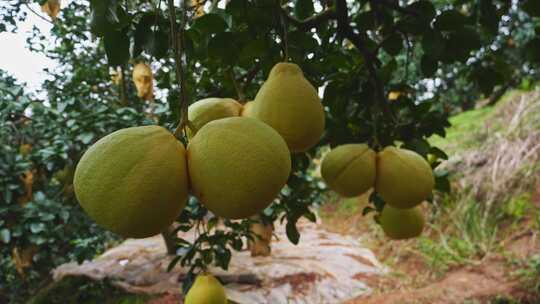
17, 60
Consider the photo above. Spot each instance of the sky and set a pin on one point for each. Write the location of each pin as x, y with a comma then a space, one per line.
20, 62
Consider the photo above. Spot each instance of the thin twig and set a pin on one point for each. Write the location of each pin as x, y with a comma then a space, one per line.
395, 6
178, 48
284, 31
250, 75
37, 14
311, 22
123, 89
239, 91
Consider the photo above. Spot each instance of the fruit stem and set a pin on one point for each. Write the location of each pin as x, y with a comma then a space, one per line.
284, 32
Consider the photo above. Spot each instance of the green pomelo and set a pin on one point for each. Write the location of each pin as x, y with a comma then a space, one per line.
404, 178
133, 181
349, 169
206, 110
237, 166
206, 290
290, 104
400, 224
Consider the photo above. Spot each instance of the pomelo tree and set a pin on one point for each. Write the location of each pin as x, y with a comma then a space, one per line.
387, 70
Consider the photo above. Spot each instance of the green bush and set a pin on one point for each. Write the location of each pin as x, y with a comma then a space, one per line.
41, 224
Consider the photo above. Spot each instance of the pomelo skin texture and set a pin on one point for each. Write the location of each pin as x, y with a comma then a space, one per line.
246, 110
290, 104
206, 290
400, 224
404, 178
206, 110
133, 181
349, 169
237, 166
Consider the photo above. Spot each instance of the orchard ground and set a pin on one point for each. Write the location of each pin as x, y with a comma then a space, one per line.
481, 244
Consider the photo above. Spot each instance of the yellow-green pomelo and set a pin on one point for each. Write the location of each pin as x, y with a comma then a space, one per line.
206, 290
404, 178
237, 166
246, 110
349, 169
290, 104
399, 224
208, 109
133, 181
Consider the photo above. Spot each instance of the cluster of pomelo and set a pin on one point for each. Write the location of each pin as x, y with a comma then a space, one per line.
402, 178
135, 181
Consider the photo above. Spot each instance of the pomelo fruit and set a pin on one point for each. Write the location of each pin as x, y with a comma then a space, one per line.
400, 224
208, 109
246, 110
404, 178
206, 290
133, 181
237, 166
290, 104
349, 169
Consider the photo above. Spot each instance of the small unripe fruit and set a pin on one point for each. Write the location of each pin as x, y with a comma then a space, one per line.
400, 224
404, 178
349, 169
205, 110
206, 290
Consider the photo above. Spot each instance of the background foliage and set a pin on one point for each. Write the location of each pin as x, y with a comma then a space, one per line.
392, 71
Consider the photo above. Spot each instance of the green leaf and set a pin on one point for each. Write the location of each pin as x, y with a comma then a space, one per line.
222, 48
210, 24
5, 235
442, 184
367, 210
532, 49
292, 233
531, 7
37, 227
433, 43
429, 66
438, 152
303, 9
107, 16
365, 21
450, 20
117, 47
393, 44
424, 9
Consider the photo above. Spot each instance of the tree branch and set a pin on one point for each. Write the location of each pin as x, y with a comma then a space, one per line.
395, 6
177, 40
37, 14
371, 61
311, 22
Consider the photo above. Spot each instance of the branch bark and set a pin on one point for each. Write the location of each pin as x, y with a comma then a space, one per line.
311, 22
177, 41
395, 6
169, 240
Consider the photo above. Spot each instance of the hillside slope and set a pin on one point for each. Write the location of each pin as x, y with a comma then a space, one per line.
481, 245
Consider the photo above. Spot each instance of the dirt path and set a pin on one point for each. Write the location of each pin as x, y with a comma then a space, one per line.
324, 268
491, 278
